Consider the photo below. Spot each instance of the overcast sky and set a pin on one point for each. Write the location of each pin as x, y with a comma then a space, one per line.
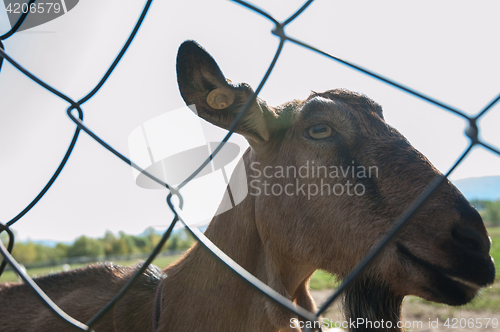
445, 49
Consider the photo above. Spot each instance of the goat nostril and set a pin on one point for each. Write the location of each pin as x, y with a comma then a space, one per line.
467, 238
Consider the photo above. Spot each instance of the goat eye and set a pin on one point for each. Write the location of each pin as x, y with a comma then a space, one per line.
320, 132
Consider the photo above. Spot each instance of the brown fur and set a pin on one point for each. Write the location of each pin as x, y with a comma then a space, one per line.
283, 239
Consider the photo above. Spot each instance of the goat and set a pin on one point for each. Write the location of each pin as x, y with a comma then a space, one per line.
337, 137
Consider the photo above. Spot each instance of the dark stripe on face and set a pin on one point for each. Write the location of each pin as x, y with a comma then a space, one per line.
372, 194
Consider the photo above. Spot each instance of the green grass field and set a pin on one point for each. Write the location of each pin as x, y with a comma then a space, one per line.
495, 247
489, 298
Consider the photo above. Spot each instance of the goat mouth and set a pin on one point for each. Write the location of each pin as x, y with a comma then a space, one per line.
446, 286
466, 283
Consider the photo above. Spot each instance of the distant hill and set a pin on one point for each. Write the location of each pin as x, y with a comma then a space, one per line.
485, 188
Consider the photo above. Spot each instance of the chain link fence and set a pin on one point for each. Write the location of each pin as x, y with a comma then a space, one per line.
75, 113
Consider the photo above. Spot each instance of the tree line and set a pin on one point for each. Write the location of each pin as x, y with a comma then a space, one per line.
29, 252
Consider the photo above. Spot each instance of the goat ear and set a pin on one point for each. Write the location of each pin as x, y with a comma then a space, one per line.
217, 100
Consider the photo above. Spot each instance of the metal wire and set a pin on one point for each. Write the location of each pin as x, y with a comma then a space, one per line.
472, 132
18, 24
136, 276
3, 37
39, 293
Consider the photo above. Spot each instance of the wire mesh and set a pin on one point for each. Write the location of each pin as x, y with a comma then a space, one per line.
279, 30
